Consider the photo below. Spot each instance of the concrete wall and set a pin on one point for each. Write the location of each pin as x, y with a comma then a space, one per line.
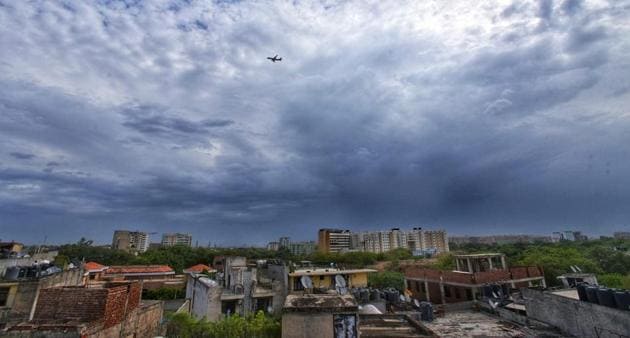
578, 318
307, 325
25, 292
205, 299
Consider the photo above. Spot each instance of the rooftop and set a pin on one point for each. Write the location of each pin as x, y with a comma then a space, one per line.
199, 268
327, 271
391, 326
469, 323
94, 267
320, 303
141, 269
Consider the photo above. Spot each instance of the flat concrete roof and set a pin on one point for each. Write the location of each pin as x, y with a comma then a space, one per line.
469, 324
322, 272
320, 303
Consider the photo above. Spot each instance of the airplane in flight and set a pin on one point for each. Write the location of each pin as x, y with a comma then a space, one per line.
275, 58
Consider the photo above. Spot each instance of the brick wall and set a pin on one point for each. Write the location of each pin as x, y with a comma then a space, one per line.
68, 303
116, 308
108, 305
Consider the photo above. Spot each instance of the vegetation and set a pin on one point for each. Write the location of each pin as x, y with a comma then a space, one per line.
164, 293
387, 279
444, 261
608, 258
257, 325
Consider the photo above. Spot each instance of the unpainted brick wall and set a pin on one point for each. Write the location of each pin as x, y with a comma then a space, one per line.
78, 303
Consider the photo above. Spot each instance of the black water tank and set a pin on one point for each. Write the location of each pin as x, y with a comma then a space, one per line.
622, 299
12, 273
591, 294
487, 291
581, 290
606, 297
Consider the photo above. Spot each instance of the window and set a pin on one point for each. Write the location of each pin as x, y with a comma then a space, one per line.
417, 286
457, 293
4, 296
447, 291
423, 287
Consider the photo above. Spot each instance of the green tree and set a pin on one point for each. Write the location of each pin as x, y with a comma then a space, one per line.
387, 279
557, 260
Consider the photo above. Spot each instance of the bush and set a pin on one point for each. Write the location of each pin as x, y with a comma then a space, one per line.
614, 280
254, 325
164, 294
387, 279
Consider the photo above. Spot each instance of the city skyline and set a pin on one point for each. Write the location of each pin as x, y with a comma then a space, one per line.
166, 116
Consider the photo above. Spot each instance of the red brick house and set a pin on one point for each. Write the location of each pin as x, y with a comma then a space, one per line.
105, 310
473, 274
150, 276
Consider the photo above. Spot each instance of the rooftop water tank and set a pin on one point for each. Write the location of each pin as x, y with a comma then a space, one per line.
591, 294
622, 299
581, 290
606, 297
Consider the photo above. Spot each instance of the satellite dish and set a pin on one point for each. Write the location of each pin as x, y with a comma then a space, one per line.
340, 281
306, 281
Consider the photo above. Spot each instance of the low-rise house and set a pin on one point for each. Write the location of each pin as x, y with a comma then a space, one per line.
320, 316
10, 249
151, 276
237, 288
105, 310
20, 288
95, 271
326, 278
476, 276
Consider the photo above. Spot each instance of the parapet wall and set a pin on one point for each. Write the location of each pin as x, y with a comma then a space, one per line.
514, 273
578, 318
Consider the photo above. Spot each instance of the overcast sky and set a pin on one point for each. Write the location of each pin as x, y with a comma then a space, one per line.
473, 116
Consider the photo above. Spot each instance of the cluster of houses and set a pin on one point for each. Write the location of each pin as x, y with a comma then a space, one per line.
94, 300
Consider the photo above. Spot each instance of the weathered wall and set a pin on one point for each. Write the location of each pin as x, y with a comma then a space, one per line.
307, 325
70, 303
205, 300
141, 322
358, 280
25, 292
581, 319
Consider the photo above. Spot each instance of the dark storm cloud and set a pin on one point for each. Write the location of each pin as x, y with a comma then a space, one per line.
151, 120
468, 116
22, 156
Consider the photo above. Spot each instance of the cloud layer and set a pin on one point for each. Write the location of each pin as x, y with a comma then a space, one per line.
492, 116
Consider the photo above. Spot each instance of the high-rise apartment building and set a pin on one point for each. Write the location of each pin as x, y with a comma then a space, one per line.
333, 240
435, 240
176, 239
416, 240
130, 241
302, 248
284, 242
